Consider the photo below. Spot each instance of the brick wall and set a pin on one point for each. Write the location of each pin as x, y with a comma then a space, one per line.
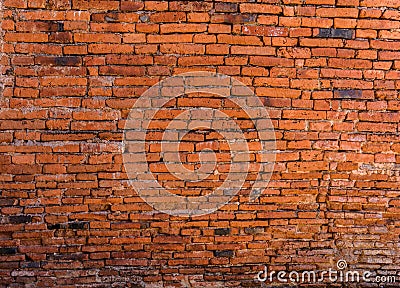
328, 70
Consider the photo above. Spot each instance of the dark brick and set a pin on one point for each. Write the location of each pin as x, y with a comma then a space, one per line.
238, 18
8, 251
78, 225
254, 230
67, 256
348, 94
54, 226
58, 61
20, 219
68, 60
222, 231
61, 37
336, 33
226, 7
30, 264
60, 26
7, 202
223, 253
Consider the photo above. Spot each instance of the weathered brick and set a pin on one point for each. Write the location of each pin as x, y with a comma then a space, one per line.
234, 18
226, 7
58, 61
78, 225
222, 231
336, 33
348, 94
223, 253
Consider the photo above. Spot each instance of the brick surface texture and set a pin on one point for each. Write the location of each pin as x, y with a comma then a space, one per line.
329, 73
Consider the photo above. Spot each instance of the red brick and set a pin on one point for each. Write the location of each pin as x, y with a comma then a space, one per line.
73, 70
168, 17
182, 48
337, 12
239, 40
188, 28
260, 8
